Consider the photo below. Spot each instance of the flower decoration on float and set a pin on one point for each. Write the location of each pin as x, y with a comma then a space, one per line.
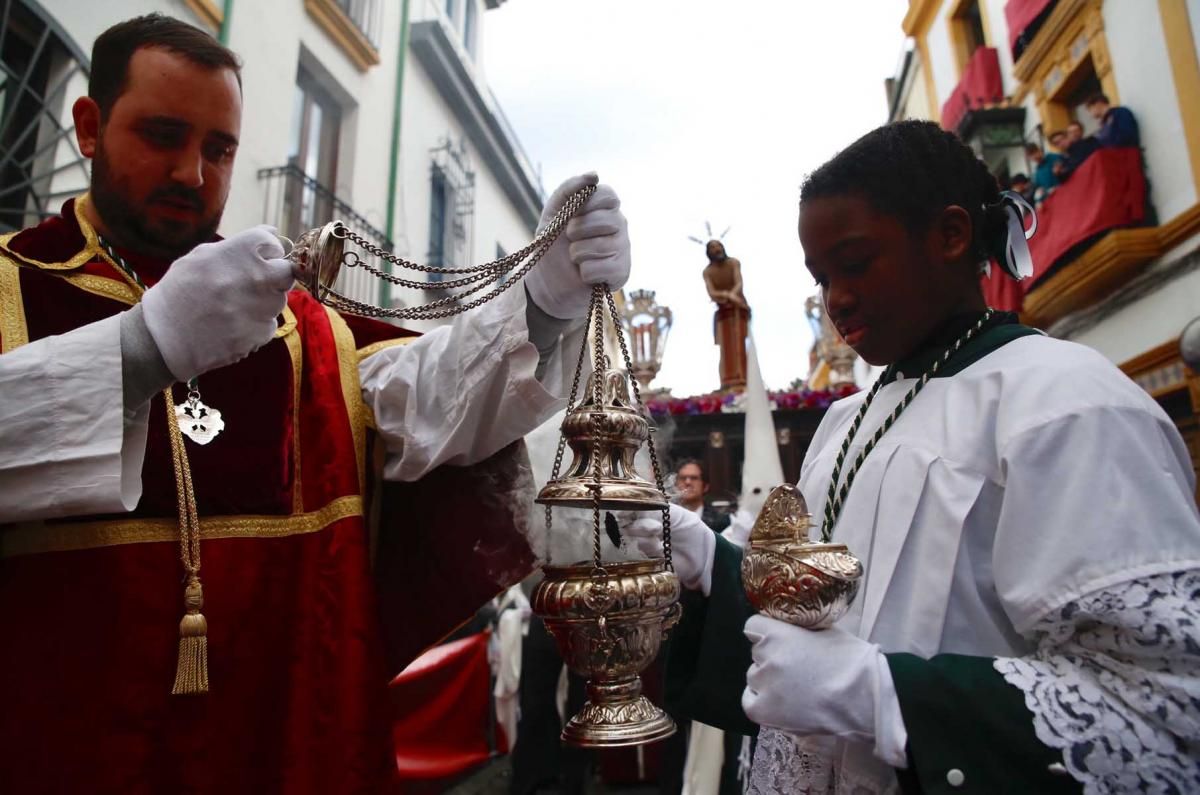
732, 402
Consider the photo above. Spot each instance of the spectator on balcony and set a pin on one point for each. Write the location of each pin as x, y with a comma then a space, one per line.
1079, 149
1118, 127
1021, 184
1044, 178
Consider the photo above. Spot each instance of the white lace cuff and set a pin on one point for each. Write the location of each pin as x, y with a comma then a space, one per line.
1115, 685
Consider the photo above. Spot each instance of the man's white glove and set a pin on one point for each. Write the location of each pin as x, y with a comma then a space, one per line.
693, 546
824, 682
594, 248
218, 302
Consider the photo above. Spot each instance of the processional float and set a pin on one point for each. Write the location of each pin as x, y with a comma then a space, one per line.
608, 618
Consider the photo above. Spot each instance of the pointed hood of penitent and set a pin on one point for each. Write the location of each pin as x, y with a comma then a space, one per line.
761, 467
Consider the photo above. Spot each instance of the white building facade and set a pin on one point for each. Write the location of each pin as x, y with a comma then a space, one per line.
1005, 73
375, 112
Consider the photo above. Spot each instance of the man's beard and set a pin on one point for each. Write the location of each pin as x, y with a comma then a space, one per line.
133, 230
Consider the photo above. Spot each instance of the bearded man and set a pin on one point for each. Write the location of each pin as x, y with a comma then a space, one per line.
279, 662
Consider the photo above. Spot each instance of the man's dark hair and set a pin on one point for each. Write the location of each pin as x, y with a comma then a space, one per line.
1019, 178
694, 462
115, 47
912, 170
1098, 97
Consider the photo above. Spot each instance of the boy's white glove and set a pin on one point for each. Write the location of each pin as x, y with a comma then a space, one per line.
593, 249
218, 302
693, 546
826, 682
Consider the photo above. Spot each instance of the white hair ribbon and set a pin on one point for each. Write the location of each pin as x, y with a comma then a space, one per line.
1018, 262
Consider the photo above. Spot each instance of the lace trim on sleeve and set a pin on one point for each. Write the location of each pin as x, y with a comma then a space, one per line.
785, 763
1115, 685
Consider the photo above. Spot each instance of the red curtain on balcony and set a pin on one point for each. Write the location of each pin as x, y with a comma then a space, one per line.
1107, 192
442, 703
1020, 14
980, 87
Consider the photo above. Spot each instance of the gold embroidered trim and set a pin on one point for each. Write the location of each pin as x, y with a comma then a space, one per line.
103, 286
288, 325
39, 538
123, 292
90, 248
118, 290
14, 331
376, 347
295, 350
351, 389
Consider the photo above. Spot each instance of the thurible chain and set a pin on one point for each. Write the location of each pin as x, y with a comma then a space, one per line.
480, 276
599, 365
650, 443
562, 440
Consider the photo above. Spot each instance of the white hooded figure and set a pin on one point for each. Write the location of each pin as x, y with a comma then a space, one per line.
761, 468
761, 472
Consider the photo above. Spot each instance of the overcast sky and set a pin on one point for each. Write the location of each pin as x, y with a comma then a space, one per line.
699, 110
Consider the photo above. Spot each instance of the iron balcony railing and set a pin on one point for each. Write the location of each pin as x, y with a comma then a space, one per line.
295, 202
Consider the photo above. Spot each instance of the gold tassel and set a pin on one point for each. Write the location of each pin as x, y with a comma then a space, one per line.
191, 674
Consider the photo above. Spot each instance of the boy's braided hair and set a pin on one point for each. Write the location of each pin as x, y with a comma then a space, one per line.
912, 170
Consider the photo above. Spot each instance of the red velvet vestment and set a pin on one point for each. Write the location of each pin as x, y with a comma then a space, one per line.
90, 606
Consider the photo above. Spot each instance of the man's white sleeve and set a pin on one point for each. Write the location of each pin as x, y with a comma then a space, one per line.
461, 392
67, 445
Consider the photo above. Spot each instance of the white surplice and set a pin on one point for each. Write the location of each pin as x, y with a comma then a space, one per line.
1036, 476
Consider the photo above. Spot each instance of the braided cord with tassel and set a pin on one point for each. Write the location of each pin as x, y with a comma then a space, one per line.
836, 498
191, 672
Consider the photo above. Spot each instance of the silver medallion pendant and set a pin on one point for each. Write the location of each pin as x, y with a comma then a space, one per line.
198, 422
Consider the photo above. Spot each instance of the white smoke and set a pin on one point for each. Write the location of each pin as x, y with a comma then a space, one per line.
571, 535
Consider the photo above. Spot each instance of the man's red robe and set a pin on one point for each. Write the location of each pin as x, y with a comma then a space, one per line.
298, 662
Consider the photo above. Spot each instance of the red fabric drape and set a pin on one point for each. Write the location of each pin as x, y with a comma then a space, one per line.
441, 702
980, 86
1107, 192
1019, 14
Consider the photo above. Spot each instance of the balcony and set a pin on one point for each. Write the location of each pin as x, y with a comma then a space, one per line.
979, 88
1091, 241
295, 202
